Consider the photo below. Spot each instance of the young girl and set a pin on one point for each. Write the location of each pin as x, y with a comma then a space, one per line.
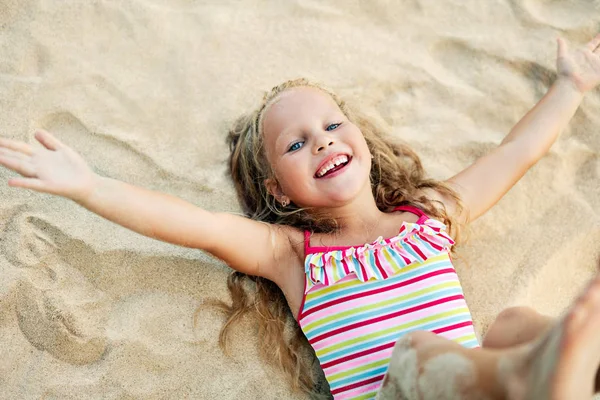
344, 229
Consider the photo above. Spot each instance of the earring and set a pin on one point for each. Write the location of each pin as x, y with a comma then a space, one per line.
284, 202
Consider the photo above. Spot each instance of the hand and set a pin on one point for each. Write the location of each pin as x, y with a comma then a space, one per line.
580, 67
55, 169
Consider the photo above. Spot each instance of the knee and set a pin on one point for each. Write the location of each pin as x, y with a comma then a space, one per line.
510, 327
514, 315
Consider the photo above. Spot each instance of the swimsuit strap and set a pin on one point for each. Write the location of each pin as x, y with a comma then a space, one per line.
414, 210
306, 242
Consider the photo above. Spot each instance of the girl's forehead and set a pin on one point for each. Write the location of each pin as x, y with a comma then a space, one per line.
295, 105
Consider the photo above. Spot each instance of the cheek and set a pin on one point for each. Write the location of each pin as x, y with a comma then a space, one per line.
292, 176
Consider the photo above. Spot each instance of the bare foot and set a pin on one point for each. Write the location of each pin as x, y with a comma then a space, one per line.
562, 364
426, 366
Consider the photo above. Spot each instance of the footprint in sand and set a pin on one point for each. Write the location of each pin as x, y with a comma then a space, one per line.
64, 316
58, 309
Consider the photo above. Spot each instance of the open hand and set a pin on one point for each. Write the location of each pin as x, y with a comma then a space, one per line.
55, 169
582, 66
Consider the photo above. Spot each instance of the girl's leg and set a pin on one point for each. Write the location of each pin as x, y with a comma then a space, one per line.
561, 364
516, 325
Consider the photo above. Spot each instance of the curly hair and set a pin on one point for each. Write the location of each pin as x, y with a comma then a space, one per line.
397, 178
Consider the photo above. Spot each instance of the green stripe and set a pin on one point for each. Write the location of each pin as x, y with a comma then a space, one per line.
347, 313
465, 338
451, 313
361, 368
370, 395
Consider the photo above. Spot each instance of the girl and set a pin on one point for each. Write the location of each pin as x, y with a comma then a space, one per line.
344, 229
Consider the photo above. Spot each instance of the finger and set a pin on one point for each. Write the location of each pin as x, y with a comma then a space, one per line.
16, 146
29, 183
13, 154
47, 139
18, 165
562, 47
594, 43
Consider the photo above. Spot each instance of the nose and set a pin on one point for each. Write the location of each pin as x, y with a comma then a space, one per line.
322, 143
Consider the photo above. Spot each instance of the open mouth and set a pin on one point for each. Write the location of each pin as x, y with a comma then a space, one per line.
335, 165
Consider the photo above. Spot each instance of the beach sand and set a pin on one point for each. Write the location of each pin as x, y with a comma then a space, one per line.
145, 91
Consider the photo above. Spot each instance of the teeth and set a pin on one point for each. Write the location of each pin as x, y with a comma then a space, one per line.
334, 163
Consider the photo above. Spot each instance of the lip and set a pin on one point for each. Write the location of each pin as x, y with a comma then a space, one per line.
328, 159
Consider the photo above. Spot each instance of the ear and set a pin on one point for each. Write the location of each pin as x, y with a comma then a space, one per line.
275, 190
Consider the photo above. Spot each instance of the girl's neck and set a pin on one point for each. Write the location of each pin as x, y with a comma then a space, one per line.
359, 216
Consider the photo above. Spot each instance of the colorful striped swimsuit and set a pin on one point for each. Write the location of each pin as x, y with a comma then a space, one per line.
358, 301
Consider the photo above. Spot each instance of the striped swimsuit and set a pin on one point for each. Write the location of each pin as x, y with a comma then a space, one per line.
358, 301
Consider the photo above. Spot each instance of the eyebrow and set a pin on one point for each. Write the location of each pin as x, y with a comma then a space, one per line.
281, 137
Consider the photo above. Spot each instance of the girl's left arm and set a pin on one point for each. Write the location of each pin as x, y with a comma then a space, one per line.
482, 184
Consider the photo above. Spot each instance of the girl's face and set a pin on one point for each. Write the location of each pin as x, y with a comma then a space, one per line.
320, 158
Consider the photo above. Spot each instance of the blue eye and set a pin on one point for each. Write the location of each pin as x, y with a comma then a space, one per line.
295, 146
332, 125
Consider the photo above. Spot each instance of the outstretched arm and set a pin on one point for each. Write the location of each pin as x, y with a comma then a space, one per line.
482, 184
252, 247
248, 246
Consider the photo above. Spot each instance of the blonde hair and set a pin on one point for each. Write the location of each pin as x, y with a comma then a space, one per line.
397, 178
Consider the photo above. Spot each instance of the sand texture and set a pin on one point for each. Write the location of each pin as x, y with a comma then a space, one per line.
145, 90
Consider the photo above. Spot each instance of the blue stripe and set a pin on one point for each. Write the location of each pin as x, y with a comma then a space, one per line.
374, 265
395, 256
376, 284
426, 245
410, 250
470, 344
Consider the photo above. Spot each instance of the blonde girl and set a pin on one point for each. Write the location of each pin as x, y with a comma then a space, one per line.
346, 236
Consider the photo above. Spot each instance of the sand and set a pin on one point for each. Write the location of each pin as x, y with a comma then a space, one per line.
146, 89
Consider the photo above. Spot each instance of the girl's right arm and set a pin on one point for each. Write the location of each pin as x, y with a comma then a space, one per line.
248, 246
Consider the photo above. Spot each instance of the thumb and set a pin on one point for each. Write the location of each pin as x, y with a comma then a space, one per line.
562, 47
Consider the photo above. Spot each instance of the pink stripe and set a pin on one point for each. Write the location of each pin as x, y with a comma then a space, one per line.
376, 298
350, 394
417, 250
379, 266
373, 379
455, 334
346, 268
386, 324
324, 271
435, 246
452, 327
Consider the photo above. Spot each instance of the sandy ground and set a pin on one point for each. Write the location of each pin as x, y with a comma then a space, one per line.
146, 89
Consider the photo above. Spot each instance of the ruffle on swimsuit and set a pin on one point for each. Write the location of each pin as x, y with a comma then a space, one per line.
415, 242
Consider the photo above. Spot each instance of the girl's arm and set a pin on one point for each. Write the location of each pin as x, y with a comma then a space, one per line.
482, 184
248, 246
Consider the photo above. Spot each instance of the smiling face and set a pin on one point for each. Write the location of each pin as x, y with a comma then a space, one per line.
319, 157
